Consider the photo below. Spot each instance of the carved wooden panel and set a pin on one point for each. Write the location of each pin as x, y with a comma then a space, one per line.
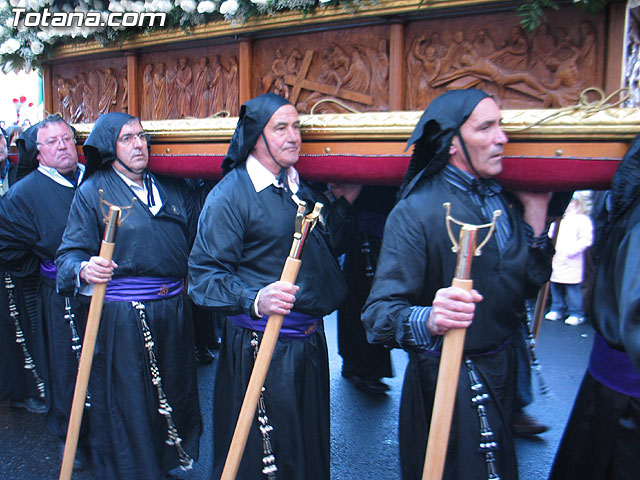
343, 67
347, 69
548, 68
190, 83
85, 90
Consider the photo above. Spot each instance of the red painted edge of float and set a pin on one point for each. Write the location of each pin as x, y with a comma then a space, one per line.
519, 172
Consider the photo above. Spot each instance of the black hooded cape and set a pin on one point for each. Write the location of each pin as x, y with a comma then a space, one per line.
437, 126
16, 382
33, 216
128, 438
100, 146
243, 240
415, 261
254, 115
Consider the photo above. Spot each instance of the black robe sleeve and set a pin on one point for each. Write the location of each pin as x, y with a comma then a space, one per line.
81, 240
216, 254
18, 235
627, 264
399, 279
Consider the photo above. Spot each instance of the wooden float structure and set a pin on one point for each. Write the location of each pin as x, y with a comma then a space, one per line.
370, 72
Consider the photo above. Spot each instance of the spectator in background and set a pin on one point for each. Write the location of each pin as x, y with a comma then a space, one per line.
13, 132
574, 237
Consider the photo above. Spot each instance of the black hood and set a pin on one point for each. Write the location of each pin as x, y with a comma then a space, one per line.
435, 130
254, 116
100, 147
27, 147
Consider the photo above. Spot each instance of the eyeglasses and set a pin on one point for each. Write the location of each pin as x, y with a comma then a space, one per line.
127, 138
52, 142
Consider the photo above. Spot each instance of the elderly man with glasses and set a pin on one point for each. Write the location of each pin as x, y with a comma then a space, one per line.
145, 415
33, 216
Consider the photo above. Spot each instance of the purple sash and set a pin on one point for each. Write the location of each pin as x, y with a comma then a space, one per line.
128, 289
48, 269
613, 368
294, 325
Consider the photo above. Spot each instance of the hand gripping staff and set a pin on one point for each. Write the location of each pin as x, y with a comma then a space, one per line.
304, 225
88, 347
452, 347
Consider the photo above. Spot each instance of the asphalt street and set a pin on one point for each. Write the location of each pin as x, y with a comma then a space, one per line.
363, 427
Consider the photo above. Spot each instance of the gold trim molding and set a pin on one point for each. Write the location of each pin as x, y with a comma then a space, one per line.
613, 124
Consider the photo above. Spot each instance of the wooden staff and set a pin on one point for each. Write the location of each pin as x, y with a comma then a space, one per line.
304, 225
88, 347
543, 293
452, 348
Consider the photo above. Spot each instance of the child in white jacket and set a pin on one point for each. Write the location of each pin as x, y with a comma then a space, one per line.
574, 237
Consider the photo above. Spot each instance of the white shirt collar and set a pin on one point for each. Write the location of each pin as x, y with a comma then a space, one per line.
54, 175
133, 185
261, 177
141, 191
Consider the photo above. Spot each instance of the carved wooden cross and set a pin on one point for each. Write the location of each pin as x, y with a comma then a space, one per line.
299, 82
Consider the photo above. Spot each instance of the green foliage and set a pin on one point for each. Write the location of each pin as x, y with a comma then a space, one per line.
532, 12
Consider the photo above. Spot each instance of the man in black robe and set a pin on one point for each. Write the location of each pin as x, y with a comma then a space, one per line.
19, 378
33, 215
145, 413
364, 364
7, 169
602, 437
458, 149
244, 236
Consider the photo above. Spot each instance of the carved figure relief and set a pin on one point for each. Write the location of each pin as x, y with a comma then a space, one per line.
147, 92
423, 66
546, 70
108, 97
86, 95
64, 97
76, 99
123, 90
278, 71
183, 90
214, 90
200, 88
357, 77
172, 101
232, 94
186, 87
159, 92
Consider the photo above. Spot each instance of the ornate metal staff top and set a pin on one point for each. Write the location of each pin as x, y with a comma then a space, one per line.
451, 358
466, 246
106, 215
304, 225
